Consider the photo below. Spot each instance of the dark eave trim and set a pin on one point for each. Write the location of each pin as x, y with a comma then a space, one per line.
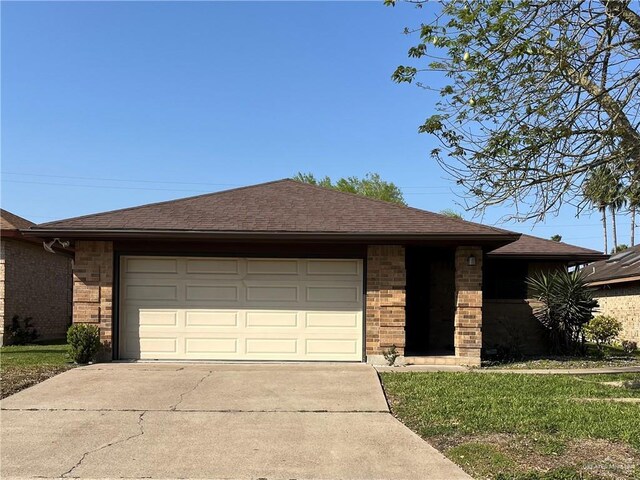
574, 257
33, 240
609, 281
231, 235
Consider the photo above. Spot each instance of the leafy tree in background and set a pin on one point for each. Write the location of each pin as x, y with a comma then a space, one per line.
371, 185
556, 238
448, 212
619, 248
538, 94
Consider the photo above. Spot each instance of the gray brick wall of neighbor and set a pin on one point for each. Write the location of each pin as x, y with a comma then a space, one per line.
622, 301
36, 284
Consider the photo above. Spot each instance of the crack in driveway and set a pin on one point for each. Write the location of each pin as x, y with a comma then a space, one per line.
182, 395
111, 444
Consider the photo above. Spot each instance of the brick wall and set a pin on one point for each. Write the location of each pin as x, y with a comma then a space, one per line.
468, 316
510, 323
93, 286
622, 301
385, 304
2, 294
37, 284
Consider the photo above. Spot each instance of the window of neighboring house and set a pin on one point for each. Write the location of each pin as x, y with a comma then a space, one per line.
505, 279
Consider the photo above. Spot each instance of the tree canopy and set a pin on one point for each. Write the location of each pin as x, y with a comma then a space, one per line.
371, 185
538, 93
449, 212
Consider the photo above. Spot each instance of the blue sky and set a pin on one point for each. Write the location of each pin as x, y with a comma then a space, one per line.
108, 105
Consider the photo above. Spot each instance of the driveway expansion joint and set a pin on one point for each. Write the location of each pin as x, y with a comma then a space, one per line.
171, 410
68, 473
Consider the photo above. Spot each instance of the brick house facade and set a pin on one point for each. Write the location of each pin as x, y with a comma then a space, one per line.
622, 301
386, 275
616, 283
33, 283
385, 297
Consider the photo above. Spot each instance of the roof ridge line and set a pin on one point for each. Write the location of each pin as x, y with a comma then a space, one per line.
152, 204
396, 205
4, 213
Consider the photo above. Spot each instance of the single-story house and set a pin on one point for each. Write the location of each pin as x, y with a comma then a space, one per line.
33, 283
290, 271
617, 289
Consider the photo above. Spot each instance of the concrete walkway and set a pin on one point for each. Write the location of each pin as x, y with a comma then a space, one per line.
302, 421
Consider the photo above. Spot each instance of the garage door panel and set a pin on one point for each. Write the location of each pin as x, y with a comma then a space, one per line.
242, 309
158, 345
151, 265
327, 346
272, 293
271, 346
267, 319
217, 266
333, 267
213, 293
210, 345
327, 294
211, 318
153, 318
272, 267
151, 292
332, 320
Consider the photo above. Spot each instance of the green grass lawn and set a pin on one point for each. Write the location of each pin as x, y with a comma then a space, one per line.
514, 426
22, 366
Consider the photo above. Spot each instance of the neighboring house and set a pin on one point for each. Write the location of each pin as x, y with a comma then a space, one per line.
33, 282
617, 283
290, 271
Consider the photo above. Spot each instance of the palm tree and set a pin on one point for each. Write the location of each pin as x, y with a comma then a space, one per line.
596, 191
616, 202
616, 199
632, 195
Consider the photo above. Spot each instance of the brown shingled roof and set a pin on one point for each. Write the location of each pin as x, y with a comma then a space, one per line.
11, 221
280, 207
536, 247
623, 266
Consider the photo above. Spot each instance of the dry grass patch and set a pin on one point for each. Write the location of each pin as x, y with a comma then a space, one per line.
25, 365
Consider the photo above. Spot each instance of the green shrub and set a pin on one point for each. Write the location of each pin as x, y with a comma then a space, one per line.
602, 329
566, 305
22, 332
84, 342
629, 346
391, 354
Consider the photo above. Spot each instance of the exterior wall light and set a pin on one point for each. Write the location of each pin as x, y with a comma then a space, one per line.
471, 260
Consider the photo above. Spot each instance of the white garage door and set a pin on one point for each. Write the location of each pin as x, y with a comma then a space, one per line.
194, 308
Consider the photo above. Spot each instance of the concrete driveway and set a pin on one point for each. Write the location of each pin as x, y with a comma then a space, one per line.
215, 421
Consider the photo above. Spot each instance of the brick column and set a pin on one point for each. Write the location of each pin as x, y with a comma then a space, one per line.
468, 317
3, 292
385, 309
93, 286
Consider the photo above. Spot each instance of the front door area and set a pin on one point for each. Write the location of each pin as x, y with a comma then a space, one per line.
430, 308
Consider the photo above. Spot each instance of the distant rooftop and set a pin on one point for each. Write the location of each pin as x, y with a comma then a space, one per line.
11, 221
621, 267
